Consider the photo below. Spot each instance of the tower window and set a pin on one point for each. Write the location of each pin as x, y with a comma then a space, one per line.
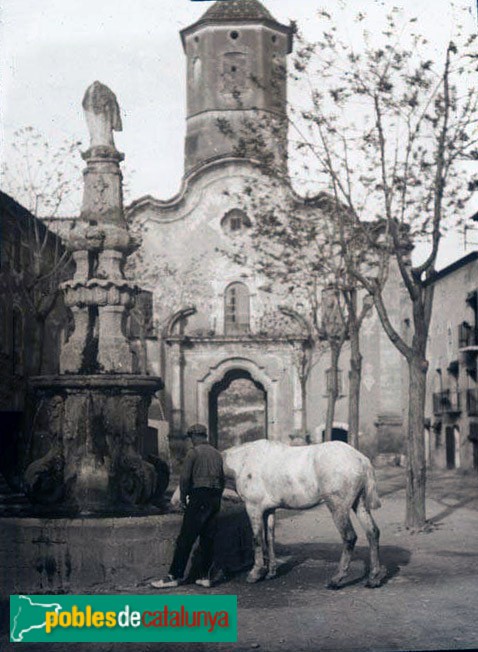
235, 221
236, 309
234, 35
274, 39
234, 71
197, 67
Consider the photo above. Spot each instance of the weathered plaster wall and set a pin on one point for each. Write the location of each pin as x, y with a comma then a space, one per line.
185, 236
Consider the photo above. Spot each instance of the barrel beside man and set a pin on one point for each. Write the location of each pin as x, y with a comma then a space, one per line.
201, 485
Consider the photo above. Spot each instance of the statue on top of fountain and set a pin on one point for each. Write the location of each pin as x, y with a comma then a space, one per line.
101, 226
102, 114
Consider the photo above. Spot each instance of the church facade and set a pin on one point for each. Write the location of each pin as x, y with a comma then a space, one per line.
230, 352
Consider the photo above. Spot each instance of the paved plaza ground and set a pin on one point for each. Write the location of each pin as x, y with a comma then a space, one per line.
429, 601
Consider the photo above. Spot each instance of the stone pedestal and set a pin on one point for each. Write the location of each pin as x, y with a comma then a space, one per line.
103, 196
96, 425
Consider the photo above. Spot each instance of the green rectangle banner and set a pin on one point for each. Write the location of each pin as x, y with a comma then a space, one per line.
123, 618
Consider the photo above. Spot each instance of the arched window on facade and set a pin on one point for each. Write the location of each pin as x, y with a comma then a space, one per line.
236, 309
17, 341
235, 221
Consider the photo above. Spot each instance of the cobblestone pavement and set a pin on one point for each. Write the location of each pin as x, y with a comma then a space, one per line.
429, 601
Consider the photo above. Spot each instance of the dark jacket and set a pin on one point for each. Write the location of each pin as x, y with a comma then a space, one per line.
202, 467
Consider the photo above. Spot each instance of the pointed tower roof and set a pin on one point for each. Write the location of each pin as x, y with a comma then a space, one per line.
238, 11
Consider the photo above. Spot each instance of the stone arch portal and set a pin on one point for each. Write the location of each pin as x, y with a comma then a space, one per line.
237, 410
219, 378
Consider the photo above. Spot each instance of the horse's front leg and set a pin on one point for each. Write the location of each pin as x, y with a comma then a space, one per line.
270, 518
256, 518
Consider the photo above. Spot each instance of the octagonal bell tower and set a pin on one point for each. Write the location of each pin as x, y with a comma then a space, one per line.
236, 76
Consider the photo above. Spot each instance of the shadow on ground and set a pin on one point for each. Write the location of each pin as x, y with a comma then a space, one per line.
305, 567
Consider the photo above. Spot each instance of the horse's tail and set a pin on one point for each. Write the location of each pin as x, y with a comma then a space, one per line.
372, 501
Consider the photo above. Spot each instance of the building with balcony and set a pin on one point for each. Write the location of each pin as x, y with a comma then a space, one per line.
451, 433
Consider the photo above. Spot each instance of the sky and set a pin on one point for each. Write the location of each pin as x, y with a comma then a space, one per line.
52, 50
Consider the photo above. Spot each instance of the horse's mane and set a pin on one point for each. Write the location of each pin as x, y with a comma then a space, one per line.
247, 445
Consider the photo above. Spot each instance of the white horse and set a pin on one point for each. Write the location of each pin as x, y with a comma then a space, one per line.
270, 475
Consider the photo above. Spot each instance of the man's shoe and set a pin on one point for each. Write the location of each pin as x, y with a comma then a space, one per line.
167, 582
205, 582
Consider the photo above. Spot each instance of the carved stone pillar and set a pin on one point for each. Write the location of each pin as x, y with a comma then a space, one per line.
175, 388
114, 352
82, 265
72, 356
109, 265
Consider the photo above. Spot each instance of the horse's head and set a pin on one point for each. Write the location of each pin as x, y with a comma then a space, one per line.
176, 499
230, 463
236, 457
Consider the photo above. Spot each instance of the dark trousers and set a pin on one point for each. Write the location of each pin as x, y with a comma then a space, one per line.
200, 520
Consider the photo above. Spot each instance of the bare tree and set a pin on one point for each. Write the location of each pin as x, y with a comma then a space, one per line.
387, 129
44, 180
295, 245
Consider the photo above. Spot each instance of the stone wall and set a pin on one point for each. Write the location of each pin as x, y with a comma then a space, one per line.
106, 554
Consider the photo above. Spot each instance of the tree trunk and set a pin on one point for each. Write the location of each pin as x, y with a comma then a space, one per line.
355, 379
416, 466
303, 394
333, 392
38, 347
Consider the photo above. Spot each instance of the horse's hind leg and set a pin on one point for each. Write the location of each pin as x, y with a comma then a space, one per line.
344, 525
377, 572
256, 518
270, 518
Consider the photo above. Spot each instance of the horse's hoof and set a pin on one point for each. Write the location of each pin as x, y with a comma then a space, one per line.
333, 585
254, 576
271, 576
377, 580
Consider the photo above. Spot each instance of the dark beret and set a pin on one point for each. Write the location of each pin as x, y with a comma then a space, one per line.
197, 430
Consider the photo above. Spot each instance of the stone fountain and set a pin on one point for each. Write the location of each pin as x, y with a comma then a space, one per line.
91, 526
96, 409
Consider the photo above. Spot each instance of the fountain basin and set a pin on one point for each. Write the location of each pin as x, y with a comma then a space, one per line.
106, 554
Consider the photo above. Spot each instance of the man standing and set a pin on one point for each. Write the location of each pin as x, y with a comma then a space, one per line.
201, 484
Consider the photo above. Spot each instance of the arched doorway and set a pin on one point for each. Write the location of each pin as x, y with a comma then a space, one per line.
237, 410
339, 433
450, 447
